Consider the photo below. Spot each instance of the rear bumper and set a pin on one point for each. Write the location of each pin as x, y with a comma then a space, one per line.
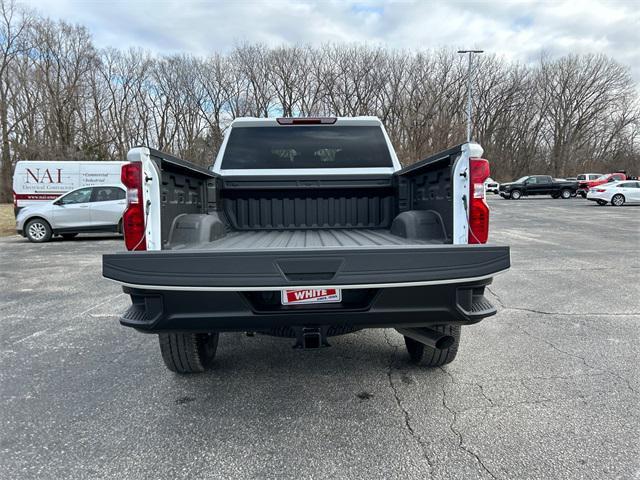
216, 311
236, 291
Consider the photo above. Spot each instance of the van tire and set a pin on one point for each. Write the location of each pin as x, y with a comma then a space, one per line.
38, 230
188, 352
427, 356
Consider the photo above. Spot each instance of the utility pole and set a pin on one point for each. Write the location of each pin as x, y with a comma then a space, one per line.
470, 52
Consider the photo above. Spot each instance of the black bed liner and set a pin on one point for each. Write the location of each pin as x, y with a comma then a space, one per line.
328, 266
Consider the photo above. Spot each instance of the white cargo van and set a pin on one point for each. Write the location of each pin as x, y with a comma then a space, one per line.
35, 182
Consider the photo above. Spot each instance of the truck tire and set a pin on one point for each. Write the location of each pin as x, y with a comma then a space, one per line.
38, 230
188, 352
515, 194
427, 356
565, 194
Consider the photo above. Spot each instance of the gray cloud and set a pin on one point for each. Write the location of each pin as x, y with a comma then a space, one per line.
518, 30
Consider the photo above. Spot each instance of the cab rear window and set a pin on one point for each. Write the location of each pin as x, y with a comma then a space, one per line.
298, 146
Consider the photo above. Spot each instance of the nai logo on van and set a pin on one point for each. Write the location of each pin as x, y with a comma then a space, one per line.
35, 175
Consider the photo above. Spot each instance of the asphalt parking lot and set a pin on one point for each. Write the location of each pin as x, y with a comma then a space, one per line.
548, 388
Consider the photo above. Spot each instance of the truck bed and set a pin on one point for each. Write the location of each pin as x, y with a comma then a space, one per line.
306, 238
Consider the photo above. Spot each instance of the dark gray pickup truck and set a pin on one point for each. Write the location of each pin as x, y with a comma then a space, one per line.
305, 228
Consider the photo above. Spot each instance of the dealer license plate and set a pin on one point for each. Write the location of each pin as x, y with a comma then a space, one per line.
297, 296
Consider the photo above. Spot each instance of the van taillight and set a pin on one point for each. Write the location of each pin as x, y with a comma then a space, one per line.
133, 220
478, 208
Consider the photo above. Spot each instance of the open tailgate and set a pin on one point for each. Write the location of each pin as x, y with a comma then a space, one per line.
272, 269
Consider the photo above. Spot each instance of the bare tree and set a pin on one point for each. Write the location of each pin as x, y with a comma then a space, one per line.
14, 28
62, 98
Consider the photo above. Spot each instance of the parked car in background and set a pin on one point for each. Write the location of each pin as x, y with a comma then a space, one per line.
585, 185
588, 177
615, 193
37, 182
490, 185
86, 209
538, 185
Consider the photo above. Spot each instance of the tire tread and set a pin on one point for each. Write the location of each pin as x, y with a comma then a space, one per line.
184, 352
434, 357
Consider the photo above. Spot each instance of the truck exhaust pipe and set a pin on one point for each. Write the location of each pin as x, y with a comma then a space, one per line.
428, 336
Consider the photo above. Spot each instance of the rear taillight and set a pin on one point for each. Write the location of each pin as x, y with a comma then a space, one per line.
133, 220
478, 208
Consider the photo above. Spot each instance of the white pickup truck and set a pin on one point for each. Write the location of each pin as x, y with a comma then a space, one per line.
306, 228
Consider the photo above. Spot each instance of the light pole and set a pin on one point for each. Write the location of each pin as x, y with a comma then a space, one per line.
470, 52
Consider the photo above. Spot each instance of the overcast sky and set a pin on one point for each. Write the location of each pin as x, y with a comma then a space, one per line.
519, 30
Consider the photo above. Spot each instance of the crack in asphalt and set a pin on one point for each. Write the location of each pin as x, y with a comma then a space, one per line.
497, 297
568, 314
403, 410
574, 314
484, 394
573, 355
514, 404
454, 418
555, 347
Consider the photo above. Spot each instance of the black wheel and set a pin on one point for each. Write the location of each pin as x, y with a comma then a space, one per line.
120, 230
188, 352
565, 194
38, 230
69, 236
602, 203
617, 200
515, 195
427, 356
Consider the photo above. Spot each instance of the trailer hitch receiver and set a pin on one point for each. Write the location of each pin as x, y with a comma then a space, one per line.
309, 338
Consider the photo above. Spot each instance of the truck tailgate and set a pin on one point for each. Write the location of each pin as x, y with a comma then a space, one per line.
274, 268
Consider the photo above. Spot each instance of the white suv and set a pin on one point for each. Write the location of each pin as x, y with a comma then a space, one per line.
86, 209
